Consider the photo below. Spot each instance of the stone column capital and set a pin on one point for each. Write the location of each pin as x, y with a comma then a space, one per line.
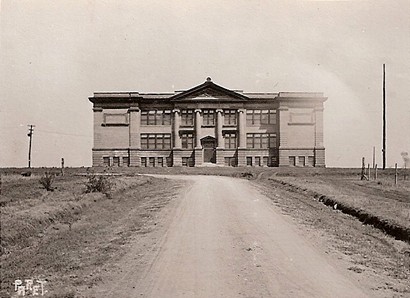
241, 110
97, 109
197, 110
219, 110
176, 111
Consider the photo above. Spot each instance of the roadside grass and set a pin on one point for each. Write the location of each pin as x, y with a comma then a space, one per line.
68, 237
381, 198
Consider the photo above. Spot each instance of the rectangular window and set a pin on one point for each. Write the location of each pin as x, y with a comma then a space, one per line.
156, 117
160, 161
169, 161
125, 161
265, 161
187, 117
155, 141
152, 141
260, 141
116, 161
230, 161
151, 161
257, 161
230, 140
230, 117
143, 161
258, 117
208, 117
292, 161
311, 161
187, 140
249, 160
184, 161
302, 162
106, 161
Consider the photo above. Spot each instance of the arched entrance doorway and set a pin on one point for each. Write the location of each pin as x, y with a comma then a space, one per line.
209, 144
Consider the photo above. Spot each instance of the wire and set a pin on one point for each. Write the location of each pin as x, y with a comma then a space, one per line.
62, 133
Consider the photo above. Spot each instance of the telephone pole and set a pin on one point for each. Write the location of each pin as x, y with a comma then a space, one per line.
30, 135
384, 117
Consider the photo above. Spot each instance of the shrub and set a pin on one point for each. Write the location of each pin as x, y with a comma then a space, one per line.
47, 181
98, 184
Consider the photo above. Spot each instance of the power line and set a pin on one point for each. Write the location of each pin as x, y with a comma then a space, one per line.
63, 133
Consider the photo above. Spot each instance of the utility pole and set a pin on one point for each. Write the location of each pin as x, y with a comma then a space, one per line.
30, 135
384, 116
374, 156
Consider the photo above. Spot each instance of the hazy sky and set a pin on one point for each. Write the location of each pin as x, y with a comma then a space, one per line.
54, 54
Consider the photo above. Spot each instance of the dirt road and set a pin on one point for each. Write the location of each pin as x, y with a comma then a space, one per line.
225, 239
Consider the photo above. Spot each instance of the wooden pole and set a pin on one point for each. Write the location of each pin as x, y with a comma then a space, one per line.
384, 116
375, 173
374, 156
30, 135
62, 166
395, 174
363, 175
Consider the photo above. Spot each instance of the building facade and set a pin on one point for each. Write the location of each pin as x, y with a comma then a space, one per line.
208, 124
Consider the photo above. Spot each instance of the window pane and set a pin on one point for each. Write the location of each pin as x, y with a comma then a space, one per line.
257, 117
167, 117
151, 141
167, 141
144, 141
144, 118
265, 161
158, 118
249, 140
257, 161
265, 117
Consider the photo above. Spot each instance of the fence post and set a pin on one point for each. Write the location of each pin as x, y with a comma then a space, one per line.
375, 173
395, 174
363, 174
62, 166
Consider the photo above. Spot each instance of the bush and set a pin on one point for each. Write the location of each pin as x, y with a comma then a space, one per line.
47, 181
98, 184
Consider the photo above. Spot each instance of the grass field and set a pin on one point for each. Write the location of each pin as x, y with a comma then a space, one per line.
67, 236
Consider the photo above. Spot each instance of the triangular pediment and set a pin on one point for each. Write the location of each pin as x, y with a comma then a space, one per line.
209, 92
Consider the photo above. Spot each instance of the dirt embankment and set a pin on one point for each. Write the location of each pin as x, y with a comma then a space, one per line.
386, 207
68, 237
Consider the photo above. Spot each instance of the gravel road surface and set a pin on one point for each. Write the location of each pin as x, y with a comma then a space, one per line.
225, 239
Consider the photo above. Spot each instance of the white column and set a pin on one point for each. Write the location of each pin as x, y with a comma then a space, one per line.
219, 125
242, 128
198, 124
177, 124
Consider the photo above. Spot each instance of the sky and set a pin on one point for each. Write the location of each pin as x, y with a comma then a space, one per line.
55, 54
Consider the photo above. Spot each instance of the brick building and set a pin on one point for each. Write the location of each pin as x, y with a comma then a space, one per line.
208, 124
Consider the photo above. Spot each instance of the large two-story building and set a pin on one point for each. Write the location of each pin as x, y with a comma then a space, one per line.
208, 124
